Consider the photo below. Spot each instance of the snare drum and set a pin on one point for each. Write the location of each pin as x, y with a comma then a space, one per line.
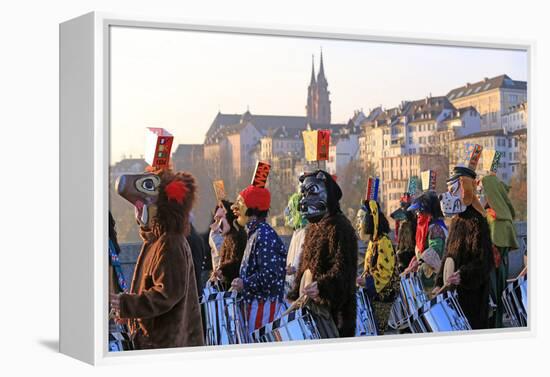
365, 324
223, 317
443, 313
514, 298
411, 298
296, 325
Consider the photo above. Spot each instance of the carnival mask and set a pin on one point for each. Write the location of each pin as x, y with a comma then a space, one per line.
142, 191
239, 209
361, 223
452, 201
314, 202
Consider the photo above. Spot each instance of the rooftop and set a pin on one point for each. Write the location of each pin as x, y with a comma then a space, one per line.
498, 82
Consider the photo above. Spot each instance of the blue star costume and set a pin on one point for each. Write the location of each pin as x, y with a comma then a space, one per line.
263, 273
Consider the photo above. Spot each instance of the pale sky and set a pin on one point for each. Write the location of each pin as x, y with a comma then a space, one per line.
179, 80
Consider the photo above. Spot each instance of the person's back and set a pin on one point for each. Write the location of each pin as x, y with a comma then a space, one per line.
197, 251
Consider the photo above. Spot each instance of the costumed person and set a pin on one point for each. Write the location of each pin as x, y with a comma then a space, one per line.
218, 228
162, 306
500, 216
431, 235
469, 259
262, 271
232, 248
119, 336
295, 220
380, 276
405, 232
329, 253
196, 244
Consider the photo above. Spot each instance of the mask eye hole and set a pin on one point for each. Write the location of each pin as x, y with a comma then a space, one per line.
454, 187
313, 190
148, 184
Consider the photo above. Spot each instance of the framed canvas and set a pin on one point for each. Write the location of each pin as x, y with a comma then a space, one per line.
237, 188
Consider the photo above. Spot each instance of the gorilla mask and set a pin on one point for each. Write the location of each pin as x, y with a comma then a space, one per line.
314, 203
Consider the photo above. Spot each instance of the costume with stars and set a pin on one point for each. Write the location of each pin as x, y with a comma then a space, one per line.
263, 273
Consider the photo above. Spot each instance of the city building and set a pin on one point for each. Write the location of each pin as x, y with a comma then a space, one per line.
397, 170
499, 140
188, 157
520, 140
423, 126
280, 142
343, 149
127, 166
491, 97
515, 118
234, 142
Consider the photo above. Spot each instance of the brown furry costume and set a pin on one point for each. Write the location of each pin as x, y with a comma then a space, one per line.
330, 250
469, 244
163, 306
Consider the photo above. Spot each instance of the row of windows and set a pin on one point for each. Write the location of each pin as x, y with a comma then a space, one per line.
422, 127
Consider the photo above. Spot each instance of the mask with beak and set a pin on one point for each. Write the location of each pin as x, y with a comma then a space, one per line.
142, 190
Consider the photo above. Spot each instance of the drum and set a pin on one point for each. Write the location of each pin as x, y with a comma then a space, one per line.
411, 298
514, 299
223, 318
119, 338
296, 325
365, 323
443, 313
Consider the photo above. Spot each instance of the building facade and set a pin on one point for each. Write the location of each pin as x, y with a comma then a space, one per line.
397, 170
498, 140
515, 118
491, 97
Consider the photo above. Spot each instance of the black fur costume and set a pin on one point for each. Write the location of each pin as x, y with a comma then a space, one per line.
469, 244
330, 253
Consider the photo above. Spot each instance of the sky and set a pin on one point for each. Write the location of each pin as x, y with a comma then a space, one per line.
179, 80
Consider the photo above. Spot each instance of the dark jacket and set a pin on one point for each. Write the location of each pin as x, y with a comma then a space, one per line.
469, 244
330, 253
197, 251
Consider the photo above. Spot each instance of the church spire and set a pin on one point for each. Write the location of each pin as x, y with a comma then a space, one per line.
321, 76
312, 81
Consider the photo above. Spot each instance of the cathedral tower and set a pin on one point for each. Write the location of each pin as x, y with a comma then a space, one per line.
318, 102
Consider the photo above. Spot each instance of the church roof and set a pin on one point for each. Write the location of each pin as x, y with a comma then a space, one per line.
228, 123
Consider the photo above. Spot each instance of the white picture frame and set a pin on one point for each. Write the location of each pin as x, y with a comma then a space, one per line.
84, 162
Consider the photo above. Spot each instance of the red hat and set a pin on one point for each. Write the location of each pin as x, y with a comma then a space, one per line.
256, 197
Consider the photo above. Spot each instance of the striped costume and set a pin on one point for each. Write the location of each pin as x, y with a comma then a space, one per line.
263, 274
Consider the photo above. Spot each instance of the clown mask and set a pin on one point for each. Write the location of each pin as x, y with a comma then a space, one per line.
142, 191
314, 202
452, 201
239, 209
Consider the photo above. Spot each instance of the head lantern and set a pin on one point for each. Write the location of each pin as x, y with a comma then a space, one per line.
320, 195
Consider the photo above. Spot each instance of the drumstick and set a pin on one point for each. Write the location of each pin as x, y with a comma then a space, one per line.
448, 269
